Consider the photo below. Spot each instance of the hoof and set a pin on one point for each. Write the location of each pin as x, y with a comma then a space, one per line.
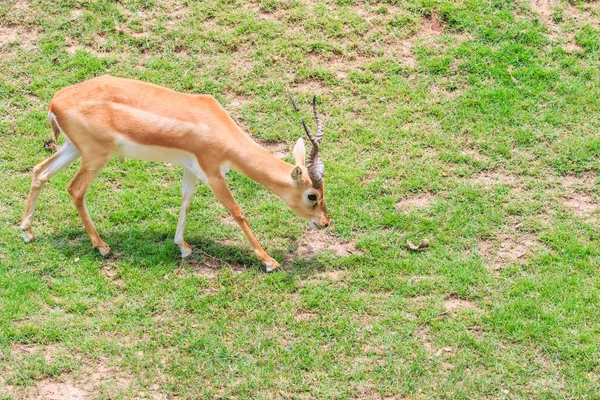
104, 252
186, 252
272, 266
27, 236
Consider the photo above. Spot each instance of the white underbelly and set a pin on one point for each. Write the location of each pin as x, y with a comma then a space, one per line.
129, 149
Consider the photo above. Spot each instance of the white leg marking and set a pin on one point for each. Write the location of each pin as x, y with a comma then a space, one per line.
189, 183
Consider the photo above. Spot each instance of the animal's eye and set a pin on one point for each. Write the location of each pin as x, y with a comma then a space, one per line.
312, 197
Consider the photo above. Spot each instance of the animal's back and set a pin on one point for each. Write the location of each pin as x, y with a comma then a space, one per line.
142, 112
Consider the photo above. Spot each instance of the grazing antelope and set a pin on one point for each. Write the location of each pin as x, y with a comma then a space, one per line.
105, 116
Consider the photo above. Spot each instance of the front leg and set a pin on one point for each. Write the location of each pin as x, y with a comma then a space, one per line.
189, 182
219, 187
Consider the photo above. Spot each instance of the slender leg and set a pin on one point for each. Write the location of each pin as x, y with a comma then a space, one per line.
218, 185
189, 183
41, 173
78, 187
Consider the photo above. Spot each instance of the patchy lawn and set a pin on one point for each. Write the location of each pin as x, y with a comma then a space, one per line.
475, 124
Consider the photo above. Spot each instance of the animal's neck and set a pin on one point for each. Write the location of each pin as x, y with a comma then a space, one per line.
258, 164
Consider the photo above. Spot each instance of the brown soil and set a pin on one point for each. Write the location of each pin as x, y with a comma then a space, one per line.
314, 242
581, 204
577, 193
423, 336
14, 33
409, 203
490, 179
302, 315
453, 302
209, 267
543, 7
278, 149
93, 378
499, 253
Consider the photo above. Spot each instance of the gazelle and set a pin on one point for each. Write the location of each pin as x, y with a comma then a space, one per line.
108, 116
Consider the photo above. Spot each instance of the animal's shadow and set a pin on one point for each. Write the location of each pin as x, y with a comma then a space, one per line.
144, 247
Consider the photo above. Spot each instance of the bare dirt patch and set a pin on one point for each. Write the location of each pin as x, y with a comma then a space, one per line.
581, 204
48, 352
109, 270
314, 242
303, 315
453, 302
94, 378
208, 266
326, 276
430, 27
334, 276
17, 34
278, 149
577, 194
582, 14
409, 203
59, 390
581, 182
238, 101
543, 7
506, 250
75, 13
312, 87
423, 335
490, 179
228, 220
96, 48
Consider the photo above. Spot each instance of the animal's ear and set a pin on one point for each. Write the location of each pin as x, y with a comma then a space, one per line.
297, 174
299, 152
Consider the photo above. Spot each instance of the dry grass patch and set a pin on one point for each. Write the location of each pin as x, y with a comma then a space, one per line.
415, 202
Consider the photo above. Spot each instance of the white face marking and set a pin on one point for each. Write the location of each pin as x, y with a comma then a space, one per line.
130, 149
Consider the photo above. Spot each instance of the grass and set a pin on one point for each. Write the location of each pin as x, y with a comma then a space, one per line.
473, 123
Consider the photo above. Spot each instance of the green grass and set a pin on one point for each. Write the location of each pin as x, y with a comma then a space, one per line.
473, 123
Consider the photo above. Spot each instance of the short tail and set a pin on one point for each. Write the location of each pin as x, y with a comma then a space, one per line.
55, 128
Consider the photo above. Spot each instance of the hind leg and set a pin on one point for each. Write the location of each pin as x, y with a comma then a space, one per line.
41, 173
78, 187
